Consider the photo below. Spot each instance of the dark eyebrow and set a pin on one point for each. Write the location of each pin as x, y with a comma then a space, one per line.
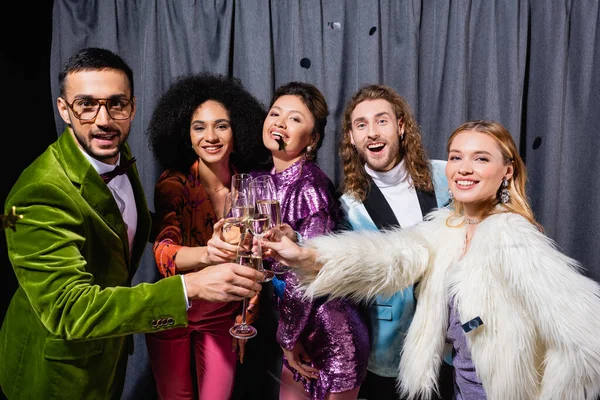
217, 121
290, 111
90, 97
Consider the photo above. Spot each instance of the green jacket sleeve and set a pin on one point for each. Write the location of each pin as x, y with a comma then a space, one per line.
72, 266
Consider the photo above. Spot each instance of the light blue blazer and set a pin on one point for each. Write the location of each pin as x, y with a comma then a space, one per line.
391, 317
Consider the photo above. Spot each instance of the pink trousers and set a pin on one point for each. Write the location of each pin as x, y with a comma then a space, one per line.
173, 351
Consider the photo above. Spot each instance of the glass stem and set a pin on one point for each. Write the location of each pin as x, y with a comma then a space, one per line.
259, 253
244, 306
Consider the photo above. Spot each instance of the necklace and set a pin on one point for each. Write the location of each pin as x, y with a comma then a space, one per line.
472, 221
215, 190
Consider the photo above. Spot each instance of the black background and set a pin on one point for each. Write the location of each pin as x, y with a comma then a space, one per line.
27, 117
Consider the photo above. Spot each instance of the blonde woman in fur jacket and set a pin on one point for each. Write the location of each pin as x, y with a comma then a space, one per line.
522, 321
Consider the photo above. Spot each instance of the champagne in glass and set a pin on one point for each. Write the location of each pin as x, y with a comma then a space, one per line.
272, 208
265, 195
236, 211
258, 224
249, 260
243, 210
233, 229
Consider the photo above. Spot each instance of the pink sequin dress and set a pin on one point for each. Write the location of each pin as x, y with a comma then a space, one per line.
334, 333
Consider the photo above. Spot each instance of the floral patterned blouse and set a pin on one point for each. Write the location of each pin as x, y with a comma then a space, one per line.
185, 217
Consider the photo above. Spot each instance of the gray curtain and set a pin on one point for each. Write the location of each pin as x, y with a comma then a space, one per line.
533, 65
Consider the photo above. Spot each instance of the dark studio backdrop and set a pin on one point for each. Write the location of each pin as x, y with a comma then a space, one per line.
534, 66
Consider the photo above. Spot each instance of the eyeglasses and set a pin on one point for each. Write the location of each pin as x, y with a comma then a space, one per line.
87, 109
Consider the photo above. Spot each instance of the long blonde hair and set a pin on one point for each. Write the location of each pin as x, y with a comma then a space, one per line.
356, 181
518, 202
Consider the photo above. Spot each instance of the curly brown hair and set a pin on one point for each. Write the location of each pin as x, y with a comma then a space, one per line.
356, 181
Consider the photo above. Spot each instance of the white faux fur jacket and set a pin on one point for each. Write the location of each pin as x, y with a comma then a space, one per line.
541, 333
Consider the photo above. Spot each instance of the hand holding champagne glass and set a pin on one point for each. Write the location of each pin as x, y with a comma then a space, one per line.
239, 205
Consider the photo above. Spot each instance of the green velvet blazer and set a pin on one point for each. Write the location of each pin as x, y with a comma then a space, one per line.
67, 331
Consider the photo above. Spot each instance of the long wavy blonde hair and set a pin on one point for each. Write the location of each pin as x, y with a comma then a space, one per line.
518, 202
356, 181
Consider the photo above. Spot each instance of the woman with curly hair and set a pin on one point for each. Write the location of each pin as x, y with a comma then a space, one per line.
204, 129
325, 343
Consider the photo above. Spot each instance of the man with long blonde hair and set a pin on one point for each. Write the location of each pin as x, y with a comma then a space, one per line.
388, 183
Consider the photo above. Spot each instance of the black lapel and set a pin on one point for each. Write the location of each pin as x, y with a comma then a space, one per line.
427, 201
379, 210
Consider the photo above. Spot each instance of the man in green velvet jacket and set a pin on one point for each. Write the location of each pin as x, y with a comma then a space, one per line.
68, 328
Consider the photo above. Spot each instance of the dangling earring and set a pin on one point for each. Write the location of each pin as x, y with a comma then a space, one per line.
450, 195
504, 194
308, 154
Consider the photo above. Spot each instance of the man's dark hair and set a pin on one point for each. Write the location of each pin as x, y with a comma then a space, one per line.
93, 58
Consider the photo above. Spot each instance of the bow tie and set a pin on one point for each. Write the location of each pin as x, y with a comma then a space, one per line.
119, 170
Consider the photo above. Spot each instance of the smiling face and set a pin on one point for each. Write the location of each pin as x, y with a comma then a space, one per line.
376, 134
102, 136
211, 134
290, 121
475, 170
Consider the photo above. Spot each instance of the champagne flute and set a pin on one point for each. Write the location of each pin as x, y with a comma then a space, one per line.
258, 225
265, 196
236, 211
245, 256
240, 183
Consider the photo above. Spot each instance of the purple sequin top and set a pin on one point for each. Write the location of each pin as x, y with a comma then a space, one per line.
467, 385
334, 333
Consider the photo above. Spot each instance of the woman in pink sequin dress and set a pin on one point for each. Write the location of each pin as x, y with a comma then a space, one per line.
325, 343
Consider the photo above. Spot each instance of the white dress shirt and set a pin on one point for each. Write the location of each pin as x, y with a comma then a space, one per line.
121, 189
